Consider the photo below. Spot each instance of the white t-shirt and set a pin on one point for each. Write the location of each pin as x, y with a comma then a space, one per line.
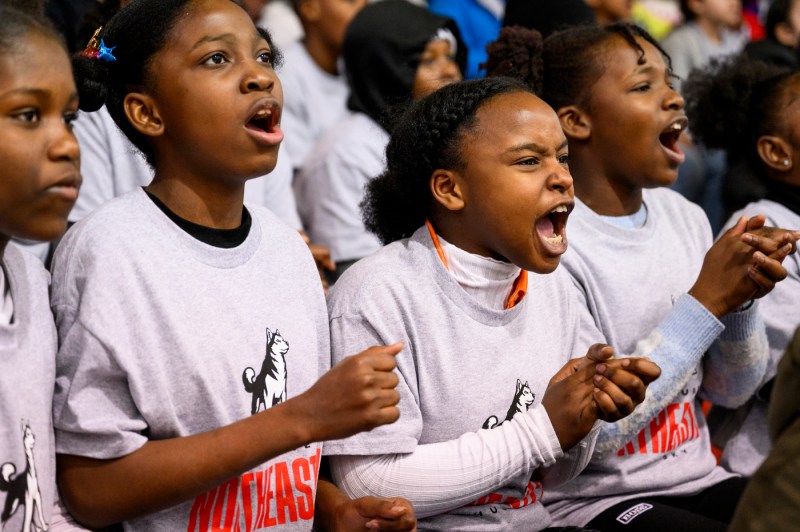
313, 101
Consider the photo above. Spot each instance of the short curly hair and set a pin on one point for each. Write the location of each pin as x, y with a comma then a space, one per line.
734, 102
427, 137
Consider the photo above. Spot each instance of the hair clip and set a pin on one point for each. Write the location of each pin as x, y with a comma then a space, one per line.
105, 52
97, 49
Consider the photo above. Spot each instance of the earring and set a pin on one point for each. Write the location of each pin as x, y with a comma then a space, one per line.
786, 162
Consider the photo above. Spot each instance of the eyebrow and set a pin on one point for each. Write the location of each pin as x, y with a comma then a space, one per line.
227, 38
32, 91
532, 146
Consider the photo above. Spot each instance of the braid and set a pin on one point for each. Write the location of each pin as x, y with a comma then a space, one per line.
572, 65
428, 137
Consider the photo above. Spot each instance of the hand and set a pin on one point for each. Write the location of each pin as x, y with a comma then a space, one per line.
373, 513
734, 272
768, 239
356, 395
569, 397
621, 385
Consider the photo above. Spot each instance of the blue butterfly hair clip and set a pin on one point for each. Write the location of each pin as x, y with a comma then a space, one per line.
105, 53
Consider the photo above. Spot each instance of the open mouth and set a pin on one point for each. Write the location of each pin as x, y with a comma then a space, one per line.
669, 139
552, 226
264, 122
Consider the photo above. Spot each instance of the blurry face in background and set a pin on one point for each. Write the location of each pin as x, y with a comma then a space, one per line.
725, 12
437, 67
611, 10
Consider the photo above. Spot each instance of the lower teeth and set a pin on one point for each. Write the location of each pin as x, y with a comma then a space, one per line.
554, 239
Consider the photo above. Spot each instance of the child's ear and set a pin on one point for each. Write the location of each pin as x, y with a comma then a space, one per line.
775, 152
143, 114
785, 35
575, 123
446, 190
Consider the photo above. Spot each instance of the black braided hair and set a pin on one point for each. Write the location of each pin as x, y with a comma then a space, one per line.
573, 60
427, 137
563, 68
137, 32
17, 21
730, 105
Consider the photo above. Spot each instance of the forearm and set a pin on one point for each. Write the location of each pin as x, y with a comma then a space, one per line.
677, 346
572, 463
164, 473
736, 363
329, 498
440, 477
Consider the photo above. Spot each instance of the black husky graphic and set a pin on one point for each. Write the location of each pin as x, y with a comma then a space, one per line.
269, 386
523, 399
23, 489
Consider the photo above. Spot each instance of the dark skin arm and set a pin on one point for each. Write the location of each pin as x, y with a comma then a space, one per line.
336, 512
357, 394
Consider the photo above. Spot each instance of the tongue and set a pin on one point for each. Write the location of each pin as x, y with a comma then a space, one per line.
545, 227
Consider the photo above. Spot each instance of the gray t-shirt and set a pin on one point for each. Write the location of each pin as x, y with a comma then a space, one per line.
163, 336
633, 282
27, 373
464, 366
750, 444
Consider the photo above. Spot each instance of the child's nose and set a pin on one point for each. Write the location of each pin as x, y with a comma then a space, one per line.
673, 100
65, 146
257, 78
560, 179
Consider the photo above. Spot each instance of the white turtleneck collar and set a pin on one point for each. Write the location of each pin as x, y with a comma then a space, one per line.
487, 280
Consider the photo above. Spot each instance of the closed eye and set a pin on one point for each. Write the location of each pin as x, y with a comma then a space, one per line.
644, 87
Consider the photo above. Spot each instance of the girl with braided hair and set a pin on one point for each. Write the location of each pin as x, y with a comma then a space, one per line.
473, 206
640, 257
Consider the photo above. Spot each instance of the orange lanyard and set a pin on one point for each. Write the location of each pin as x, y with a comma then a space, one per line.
520, 284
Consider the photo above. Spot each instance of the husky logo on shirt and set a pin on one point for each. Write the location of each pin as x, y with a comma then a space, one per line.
23, 488
523, 399
673, 426
269, 386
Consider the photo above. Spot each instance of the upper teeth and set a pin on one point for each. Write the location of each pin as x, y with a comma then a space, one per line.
560, 208
676, 126
264, 113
